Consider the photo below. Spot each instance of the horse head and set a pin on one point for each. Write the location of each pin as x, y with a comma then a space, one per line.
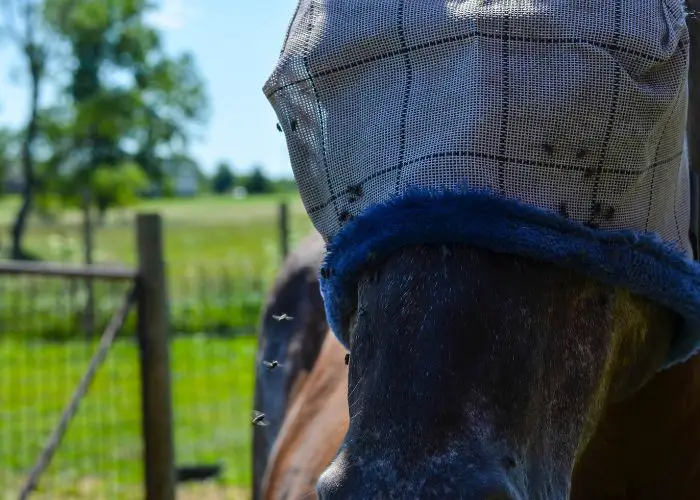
503, 189
477, 375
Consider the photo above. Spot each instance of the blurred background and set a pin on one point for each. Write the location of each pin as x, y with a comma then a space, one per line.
110, 108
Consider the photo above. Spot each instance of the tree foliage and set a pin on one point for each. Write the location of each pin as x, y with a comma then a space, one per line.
224, 179
130, 103
257, 182
8, 148
118, 185
124, 110
24, 26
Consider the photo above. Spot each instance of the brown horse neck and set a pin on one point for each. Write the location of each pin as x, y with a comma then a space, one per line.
648, 445
313, 428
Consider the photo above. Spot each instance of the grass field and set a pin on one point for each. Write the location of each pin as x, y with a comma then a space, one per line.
202, 233
212, 376
221, 255
103, 445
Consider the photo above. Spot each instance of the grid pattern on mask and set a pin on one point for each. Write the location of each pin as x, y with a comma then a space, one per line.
571, 107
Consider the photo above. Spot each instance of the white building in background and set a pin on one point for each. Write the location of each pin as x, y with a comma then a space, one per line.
184, 174
186, 183
239, 192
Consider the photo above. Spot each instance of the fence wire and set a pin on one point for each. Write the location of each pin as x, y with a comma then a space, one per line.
96, 361
218, 276
46, 347
45, 351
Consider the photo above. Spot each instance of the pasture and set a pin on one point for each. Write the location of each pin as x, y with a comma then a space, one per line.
208, 232
220, 253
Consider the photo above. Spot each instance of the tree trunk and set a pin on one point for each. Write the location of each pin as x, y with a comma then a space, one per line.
20, 225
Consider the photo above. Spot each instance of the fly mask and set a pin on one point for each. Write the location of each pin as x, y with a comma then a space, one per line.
545, 128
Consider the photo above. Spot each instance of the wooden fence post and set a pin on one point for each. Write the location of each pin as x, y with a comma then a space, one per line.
154, 337
88, 244
284, 228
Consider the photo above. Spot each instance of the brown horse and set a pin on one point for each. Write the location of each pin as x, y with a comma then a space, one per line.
313, 428
294, 341
542, 380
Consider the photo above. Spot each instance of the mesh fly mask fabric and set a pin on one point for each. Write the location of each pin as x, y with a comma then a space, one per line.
547, 128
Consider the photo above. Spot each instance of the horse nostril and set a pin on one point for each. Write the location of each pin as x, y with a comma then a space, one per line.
320, 493
338, 483
509, 462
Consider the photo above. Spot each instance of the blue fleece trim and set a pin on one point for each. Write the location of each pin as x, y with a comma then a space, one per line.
641, 262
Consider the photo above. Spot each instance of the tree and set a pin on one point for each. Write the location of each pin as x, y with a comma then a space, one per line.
131, 102
118, 185
7, 146
130, 105
25, 28
284, 185
224, 180
258, 183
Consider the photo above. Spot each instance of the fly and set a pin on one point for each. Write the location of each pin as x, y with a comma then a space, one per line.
282, 317
258, 419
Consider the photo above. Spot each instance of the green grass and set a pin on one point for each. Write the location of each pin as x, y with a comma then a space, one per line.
201, 234
221, 254
212, 395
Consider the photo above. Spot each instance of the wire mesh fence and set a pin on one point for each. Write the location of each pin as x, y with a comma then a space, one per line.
220, 264
44, 352
212, 356
45, 347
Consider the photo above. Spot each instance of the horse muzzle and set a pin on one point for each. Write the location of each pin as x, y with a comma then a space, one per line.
432, 479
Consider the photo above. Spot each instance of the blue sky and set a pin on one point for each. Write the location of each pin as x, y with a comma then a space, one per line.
236, 43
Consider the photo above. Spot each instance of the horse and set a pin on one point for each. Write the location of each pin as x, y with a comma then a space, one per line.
292, 329
314, 425
562, 369
496, 352
303, 396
